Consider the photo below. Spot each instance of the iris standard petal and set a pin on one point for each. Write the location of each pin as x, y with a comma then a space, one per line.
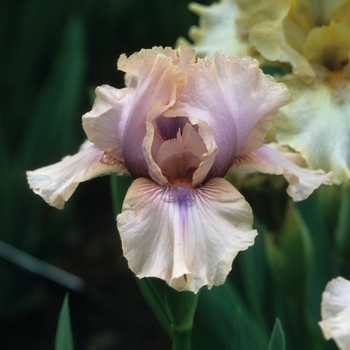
104, 125
335, 310
159, 80
317, 125
233, 96
302, 182
57, 182
188, 237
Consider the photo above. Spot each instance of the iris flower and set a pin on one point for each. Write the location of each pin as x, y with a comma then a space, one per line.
177, 128
335, 309
311, 40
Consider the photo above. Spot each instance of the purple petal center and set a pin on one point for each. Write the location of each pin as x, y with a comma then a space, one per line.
181, 192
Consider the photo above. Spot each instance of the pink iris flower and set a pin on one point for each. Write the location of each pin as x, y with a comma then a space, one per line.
178, 127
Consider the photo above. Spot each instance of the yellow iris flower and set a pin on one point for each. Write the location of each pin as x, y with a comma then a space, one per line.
311, 40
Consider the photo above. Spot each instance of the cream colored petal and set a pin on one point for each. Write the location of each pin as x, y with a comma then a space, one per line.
57, 182
187, 237
329, 46
317, 125
335, 310
298, 24
267, 160
217, 29
253, 12
341, 13
322, 10
278, 47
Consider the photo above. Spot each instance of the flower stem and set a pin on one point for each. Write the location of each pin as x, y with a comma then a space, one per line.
182, 340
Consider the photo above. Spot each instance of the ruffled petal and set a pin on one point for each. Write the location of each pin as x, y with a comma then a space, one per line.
57, 182
317, 125
104, 125
238, 102
329, 46
180, 57
267, 160
118, 115
217, 30
158, 80
282, 44
187, 237
335, 310
298, 24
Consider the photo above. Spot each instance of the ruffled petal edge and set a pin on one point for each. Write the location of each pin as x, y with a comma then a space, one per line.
185, 236
268, 160
57, 182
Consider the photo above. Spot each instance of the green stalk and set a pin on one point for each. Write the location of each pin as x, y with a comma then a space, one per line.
182, 339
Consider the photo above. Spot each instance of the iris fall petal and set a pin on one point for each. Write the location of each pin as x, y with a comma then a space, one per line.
190, 236
57, 182
302, 182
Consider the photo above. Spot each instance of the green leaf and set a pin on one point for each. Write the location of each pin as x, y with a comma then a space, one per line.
316, 211
58, 101
289, 252
273, 70
342, 233
155, 299
277, 340
181, 307
254, 276
119, 187
64, 338
223, 321
175, 310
